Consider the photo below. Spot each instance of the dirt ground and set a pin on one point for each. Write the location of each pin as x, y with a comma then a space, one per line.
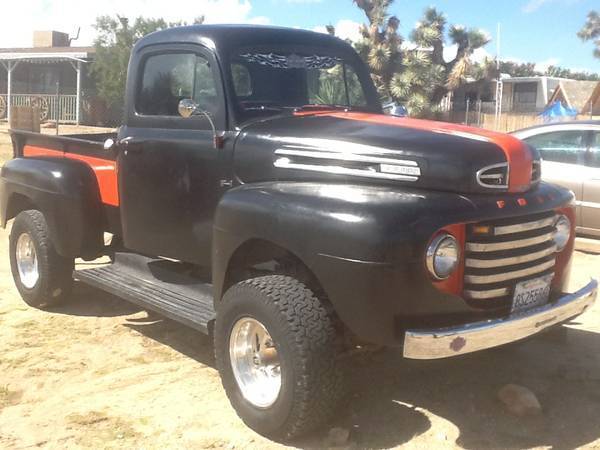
100, 373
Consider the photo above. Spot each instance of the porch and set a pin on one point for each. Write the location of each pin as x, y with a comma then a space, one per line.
52, 79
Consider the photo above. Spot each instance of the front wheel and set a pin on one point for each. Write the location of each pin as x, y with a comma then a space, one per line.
275, 350
42, 276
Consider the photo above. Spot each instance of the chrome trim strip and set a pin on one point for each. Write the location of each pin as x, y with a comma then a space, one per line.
285, 163
587, 204
519, 243
491, 293
475, 336
501, 262
353, 157
526, 226
496, 278
480, 174
538, 164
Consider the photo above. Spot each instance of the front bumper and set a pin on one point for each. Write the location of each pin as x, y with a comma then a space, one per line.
472, 337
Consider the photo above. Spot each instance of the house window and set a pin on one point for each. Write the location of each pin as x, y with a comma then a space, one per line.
525, 96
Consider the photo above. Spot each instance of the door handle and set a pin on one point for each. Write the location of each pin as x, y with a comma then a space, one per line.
132, 145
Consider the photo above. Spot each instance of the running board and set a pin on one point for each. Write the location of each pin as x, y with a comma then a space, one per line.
156, 284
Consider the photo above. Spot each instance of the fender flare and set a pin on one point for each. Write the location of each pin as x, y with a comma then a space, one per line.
66, 192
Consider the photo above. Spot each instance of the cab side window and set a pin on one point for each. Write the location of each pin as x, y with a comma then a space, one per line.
170, 77
560, 146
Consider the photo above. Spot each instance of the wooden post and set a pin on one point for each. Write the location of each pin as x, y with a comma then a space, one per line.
9, 66
77, 68
57, 105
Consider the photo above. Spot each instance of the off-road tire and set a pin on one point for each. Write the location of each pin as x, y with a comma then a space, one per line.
55, 271
305, 339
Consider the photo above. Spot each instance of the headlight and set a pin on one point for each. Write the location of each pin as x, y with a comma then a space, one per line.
442, 256
563, 232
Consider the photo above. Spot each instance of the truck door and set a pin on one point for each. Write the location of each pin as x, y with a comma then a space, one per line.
169, 171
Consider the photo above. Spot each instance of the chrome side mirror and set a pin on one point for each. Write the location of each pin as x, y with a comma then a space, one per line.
109, 144
187, 107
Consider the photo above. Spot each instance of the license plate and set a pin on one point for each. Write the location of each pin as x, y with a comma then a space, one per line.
531, 293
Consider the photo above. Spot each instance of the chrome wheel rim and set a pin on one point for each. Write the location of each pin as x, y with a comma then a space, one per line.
27, 262
255, 362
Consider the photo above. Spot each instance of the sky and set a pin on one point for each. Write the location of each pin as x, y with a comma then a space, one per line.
539, 31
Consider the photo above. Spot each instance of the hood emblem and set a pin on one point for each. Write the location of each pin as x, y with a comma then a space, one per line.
494, 176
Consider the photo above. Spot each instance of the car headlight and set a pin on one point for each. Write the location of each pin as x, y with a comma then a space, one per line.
562, 233
442, 256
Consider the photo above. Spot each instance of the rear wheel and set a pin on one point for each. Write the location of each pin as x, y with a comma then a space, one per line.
42, 276
275, 350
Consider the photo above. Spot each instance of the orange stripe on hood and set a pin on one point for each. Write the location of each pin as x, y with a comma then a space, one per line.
516, 152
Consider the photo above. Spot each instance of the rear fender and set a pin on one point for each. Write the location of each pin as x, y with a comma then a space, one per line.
65, 191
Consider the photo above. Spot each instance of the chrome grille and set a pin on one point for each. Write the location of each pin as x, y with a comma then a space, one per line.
507, 252
536, 171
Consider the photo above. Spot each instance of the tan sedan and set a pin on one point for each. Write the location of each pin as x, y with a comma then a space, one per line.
571, 158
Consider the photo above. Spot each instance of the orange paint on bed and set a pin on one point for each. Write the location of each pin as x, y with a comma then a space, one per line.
105, 170
33, 151
516, 152
106, 174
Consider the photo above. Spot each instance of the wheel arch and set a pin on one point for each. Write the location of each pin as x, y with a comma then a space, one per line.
17, 203
259, 256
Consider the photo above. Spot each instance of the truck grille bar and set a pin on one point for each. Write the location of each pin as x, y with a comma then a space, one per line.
500, 254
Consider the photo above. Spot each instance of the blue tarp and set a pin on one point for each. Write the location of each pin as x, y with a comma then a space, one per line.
556, 112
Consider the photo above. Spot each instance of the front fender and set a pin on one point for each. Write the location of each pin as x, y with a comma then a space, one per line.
65, 191
365, 244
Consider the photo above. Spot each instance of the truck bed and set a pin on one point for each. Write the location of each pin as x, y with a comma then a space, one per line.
84, 144
88, 148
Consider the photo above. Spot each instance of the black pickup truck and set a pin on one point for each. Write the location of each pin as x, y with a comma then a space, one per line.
257, 192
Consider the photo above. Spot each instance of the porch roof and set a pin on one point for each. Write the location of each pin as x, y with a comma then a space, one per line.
47, 54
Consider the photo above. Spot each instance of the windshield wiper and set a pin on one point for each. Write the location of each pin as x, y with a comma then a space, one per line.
263, 108
322, 107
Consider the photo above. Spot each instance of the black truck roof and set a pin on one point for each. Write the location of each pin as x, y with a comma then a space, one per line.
226, 37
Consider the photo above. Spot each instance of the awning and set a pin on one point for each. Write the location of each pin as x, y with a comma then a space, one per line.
45, 57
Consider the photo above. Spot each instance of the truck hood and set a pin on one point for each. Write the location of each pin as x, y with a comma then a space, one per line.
380, 149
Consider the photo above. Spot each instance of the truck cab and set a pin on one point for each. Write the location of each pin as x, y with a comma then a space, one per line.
257, 192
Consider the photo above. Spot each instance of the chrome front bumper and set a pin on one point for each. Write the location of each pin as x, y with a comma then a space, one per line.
471, 337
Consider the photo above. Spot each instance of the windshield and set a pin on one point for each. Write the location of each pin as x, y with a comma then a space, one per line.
267, 82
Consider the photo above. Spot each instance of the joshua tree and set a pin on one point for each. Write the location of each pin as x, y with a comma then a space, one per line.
380, 44
591, 31
418, 77
425, 77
